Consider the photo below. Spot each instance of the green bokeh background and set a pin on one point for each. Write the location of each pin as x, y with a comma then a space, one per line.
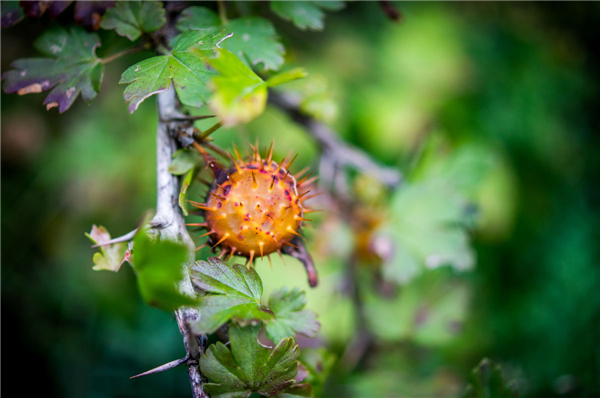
514, 84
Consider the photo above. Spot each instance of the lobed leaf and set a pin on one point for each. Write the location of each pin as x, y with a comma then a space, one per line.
110, 257
132, 18
253, 39
234, 292
185, 67
158, 265
289, 316
305, 14
249, 366
426, 227
71, 69
240, 95
429, 216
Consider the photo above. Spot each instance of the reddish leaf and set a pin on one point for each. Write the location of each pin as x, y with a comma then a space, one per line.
72, 68
89, 13
57, 7
11, 13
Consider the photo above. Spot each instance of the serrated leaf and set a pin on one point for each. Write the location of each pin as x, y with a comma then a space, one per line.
185, 66
253, 41
487, 381
289, 316
110, 257
305, 14
132, 18
72, 68
249, 366
233, 293
159, 268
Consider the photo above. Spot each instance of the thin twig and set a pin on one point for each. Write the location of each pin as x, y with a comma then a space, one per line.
127, 51
222, 11
342, 153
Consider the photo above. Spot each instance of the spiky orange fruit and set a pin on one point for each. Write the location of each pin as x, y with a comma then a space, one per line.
255, 208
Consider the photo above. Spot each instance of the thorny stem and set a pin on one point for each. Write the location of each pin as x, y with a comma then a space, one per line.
169, 224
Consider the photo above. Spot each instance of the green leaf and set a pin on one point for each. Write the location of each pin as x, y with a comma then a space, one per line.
72, 68
110, 257
427, 227
287, 76
132, 18
185, 66
429, 311
305, 14
289, 317
253, 40
249, 366
297, 390
159, 268
184, 160
487, 381
188, 162
240, 95
233, 293
185, 184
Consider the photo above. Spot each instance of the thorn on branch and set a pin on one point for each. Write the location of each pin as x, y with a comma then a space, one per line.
125, 238
169, 365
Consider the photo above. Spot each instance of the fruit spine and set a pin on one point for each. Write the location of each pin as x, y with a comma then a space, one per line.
255, 209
